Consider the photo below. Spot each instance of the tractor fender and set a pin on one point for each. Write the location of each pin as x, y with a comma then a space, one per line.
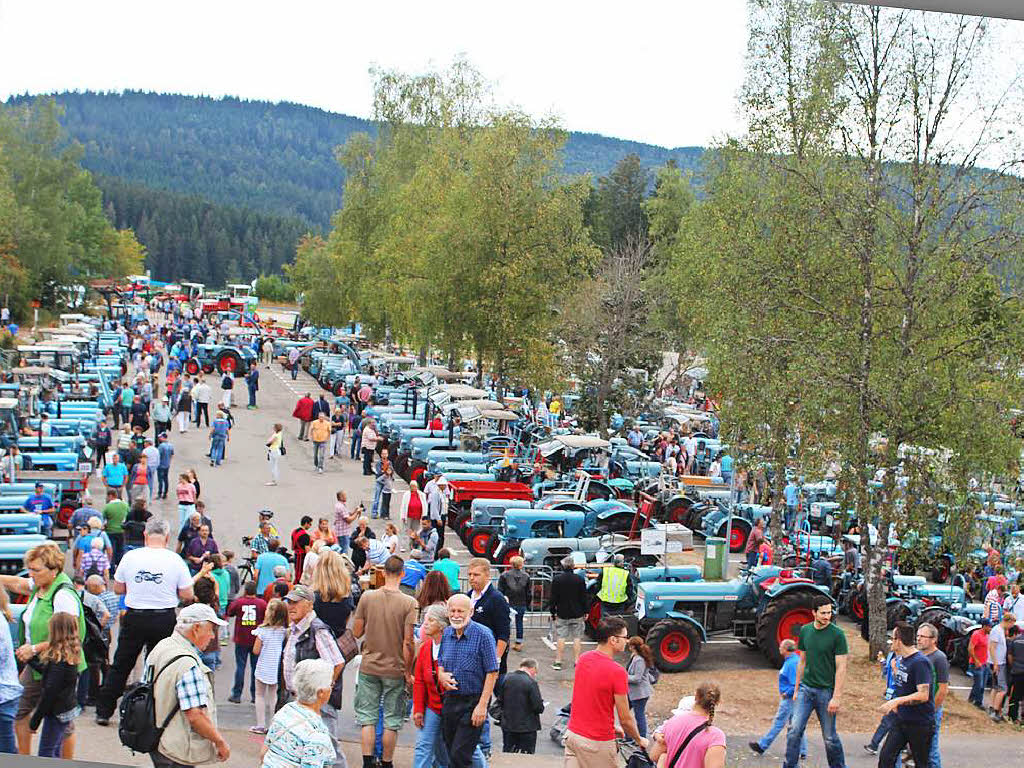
680, 616
891, 599
782, 589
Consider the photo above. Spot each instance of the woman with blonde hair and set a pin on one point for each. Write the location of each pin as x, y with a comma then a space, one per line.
332, 588
309, 562
691, 734
49, 591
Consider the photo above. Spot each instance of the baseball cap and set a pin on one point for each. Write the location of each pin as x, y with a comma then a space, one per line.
199, 612
299, 592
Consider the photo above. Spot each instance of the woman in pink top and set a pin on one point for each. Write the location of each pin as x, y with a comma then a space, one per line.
707, 747
186, 493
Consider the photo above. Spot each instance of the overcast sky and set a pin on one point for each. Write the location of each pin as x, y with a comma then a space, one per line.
660, 72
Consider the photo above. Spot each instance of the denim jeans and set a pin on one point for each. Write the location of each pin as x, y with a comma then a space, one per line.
977, 695
252, 397
783, 717
485, 733
244, 654
430, 749
357, 442
343, 546
883, 728
8, 710
51, 736
319, 453
520, 614
211, 659
295, 371
162, 481
639, 707
813, 700
934, 758
378, 489
217, 450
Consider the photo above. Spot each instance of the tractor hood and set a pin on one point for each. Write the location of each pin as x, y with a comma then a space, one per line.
693, 591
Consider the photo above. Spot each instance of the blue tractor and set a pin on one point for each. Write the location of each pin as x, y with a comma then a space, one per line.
760, 608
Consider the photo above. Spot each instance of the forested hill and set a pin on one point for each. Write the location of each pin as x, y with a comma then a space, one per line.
274, 158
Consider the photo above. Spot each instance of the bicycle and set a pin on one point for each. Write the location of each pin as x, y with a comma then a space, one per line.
247, 570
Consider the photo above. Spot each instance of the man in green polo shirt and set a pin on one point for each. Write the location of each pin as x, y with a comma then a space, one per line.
114, 514
820, 678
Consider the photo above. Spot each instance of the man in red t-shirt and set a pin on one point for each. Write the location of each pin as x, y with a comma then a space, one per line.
248, 611
600, 690
977, 656
754, 541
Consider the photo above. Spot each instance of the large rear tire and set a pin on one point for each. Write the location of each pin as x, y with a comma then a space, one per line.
675, 644
737, 536
781, 620
229, 363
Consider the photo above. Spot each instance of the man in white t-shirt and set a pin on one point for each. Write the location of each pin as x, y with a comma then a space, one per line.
153, 579
997, 658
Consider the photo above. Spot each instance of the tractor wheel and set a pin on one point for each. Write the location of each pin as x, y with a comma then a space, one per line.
781, 620
857, 604
898, 611
737, 536
207, 367
592, 619
229, 363
694, 517
461, 523
677, 511
620, 523
479, 543
676, 645
192, 367
509, 553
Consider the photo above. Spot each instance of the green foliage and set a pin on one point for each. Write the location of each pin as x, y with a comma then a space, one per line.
53, 232
458, 230
272, 158
274, 288
616, 211
189, 238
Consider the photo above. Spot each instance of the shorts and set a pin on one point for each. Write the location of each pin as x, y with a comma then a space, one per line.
587, 753
1000, 678
569, 629
370, 689
33, 691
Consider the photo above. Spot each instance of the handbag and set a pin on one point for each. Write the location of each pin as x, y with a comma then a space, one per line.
283, 451
348, 645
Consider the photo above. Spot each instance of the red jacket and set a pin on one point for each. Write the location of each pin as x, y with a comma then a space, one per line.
424, 689
304, 409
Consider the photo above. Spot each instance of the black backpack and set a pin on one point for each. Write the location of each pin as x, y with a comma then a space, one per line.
94, 646
137, 728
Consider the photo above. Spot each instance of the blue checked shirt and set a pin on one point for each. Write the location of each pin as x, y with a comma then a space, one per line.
192, 690
469, 658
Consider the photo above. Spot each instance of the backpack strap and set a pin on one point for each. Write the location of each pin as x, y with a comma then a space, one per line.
152, 685
686, 743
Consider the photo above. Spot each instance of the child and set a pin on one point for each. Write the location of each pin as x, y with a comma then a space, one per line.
95, 561
390, 538
58, 705
270, 636
220, 575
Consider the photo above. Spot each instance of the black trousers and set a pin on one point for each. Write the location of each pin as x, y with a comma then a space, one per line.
902, 733
457, 729
512, 741
202, 409
139, 629
1016, 694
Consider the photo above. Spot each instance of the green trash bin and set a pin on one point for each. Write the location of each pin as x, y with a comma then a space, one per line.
715, 558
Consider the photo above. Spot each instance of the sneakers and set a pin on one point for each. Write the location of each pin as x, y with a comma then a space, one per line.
870, 750
754, 746
258, 729
102, 720
234, 699
997, 717
556, 665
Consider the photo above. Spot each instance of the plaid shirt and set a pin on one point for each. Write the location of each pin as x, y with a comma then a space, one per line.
342, 526
113, 603
192, 690
259, 544
470, 658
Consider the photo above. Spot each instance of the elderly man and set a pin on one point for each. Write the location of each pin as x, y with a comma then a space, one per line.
384, 619
467, 669
153, 579
376, 552
199, 548
310, 638
491, 610
184, 683
787, 687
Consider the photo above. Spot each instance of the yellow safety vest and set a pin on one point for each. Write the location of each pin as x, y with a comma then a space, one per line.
614, 585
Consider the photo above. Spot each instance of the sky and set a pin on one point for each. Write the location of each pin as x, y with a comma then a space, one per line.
665, 73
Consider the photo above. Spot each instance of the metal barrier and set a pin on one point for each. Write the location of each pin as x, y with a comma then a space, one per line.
537, 617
